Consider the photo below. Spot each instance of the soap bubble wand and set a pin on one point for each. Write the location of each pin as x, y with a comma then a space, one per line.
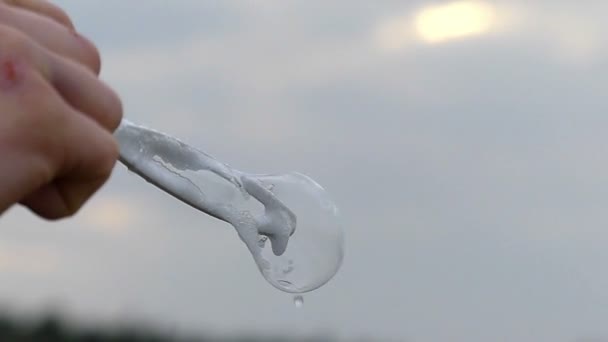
287, 221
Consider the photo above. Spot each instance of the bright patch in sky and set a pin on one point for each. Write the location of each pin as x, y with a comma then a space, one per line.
439, 23
27, 259
110, 215
435, 24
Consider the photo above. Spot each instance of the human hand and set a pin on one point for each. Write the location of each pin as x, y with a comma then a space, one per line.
56, 116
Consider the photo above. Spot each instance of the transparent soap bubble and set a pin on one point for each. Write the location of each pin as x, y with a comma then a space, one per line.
315, 250
288, 221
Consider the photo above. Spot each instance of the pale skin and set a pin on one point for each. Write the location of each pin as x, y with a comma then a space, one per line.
56, 115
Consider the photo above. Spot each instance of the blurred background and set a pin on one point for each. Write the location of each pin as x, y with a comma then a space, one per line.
464, 142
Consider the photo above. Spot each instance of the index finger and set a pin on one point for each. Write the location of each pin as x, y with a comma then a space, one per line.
44, 8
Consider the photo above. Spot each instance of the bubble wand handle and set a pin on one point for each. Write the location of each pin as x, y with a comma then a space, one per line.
147, 152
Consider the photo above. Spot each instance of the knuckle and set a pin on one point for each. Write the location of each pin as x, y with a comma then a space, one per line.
91, 55
45, 8
108, 155
95, 60
43, 117
38, 93
71, 209
13, 42
41, 103
62, 17
66, 212
115, 111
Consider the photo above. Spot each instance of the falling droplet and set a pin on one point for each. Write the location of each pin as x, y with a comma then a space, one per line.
298, 301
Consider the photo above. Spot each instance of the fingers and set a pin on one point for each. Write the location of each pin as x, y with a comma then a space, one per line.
48, 32
66, 195
47, 202
85, 92
89, 168
44, 8
79, 87
57, 116
55, 155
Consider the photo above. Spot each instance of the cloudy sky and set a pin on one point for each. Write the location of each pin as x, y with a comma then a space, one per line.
464, 142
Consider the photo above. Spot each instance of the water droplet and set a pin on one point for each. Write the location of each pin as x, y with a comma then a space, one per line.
298, 301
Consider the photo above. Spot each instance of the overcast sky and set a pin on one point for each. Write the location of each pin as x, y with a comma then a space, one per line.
465, 144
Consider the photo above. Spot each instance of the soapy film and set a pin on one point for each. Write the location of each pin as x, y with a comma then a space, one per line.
265, 210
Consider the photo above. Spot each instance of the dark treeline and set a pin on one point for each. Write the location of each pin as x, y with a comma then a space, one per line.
52, 329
